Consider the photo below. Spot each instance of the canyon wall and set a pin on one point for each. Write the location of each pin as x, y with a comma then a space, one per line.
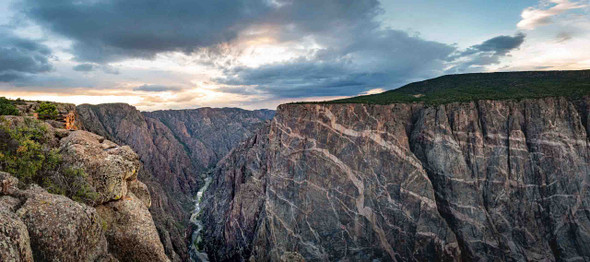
484, 180
177, 148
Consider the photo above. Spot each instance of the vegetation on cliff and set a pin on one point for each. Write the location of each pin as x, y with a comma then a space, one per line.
47, 110
27, 153
7, 107
484, 86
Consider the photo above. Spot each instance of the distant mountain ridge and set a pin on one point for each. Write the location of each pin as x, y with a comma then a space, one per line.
176, 147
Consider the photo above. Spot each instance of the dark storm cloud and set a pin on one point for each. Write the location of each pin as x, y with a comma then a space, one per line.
21, 57
115, 29
487, 53
156, 88
112, 30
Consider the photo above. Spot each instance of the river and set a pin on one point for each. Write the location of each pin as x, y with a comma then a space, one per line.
195, 254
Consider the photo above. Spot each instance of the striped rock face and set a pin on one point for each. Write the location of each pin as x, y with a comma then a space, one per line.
492, 180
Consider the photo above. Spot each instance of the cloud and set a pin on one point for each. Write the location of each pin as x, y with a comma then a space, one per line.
326, 48
89, 67
20, 57
376, 59
533, 17
84, 67
476, 57
156, 88
499, 45
563, 37
113, 30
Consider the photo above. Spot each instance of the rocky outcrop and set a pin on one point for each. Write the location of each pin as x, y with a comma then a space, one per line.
66, 117
108, 165
487, 180
112, 172
53, 227
62, 229
116, 225
176, 147
14, 237
130, 230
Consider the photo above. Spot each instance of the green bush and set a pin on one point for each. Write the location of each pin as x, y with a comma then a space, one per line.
47, 111
25, 152
7, 107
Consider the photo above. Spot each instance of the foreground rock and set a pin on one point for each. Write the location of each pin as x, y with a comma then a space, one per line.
487, 180
108, 165
116, 226
130, 230
54, 227
112, 171
14, 237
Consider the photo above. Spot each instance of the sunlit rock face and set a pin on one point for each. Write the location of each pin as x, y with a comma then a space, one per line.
486, 180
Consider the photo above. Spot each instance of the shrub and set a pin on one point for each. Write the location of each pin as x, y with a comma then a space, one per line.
26, 154
47, 111
7, 107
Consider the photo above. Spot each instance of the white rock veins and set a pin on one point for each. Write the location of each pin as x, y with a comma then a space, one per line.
487, 180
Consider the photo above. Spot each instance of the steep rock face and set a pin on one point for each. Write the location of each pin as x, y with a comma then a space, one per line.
176, 149
237, 199
210, 133
486, 180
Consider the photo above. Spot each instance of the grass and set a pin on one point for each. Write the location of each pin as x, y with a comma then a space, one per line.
483, 86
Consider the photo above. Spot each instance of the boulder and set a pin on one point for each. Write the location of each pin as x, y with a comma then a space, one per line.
14, 238
107, 164
130, 231
61, 229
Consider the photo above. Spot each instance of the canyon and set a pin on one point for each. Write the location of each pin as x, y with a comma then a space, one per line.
416, 174
177, 148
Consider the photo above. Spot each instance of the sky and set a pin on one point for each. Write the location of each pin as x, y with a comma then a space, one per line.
256, 54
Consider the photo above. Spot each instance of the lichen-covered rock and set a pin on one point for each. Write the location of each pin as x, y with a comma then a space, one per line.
61, 229
130, 230
107, 164
141, 191
14, 237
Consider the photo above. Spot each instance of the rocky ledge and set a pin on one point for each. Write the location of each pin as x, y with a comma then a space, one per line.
114, 226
